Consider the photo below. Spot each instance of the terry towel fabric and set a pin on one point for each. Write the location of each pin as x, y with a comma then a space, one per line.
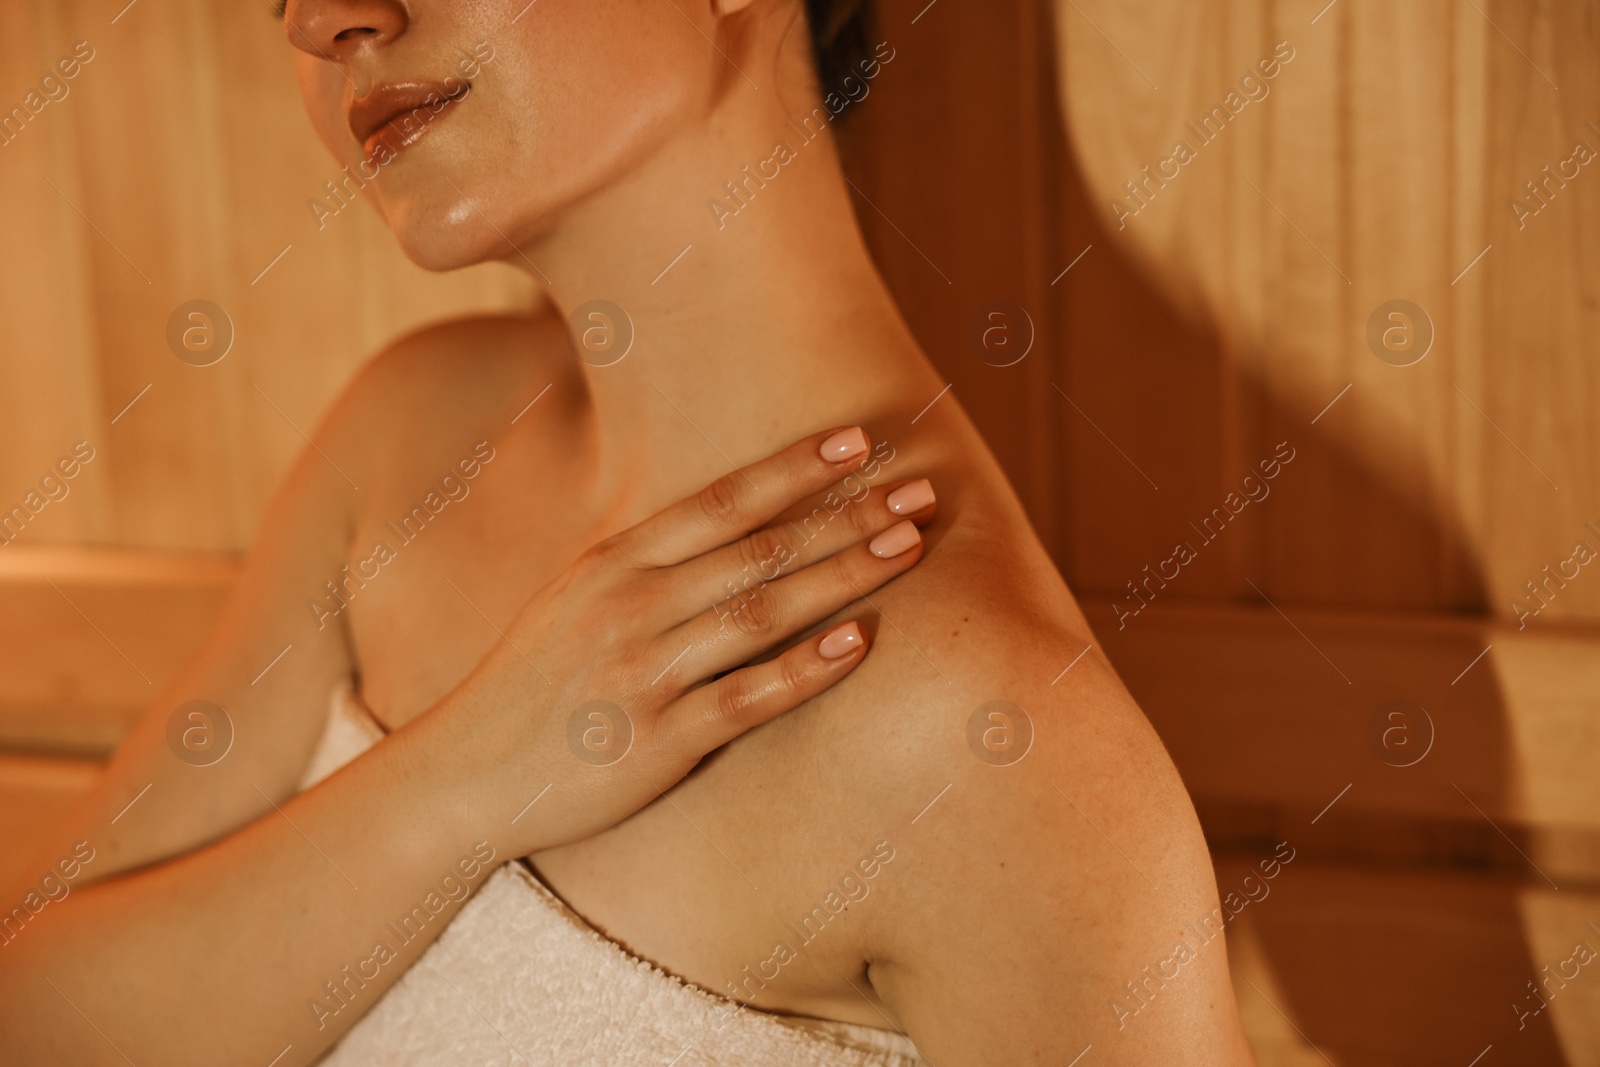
519, 978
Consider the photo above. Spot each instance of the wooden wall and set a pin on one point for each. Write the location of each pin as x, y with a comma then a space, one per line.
1173, 350
1379, 167
177, 167
1222, 310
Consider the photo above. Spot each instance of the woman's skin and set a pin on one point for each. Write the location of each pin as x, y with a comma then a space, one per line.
224, 952
1019, 900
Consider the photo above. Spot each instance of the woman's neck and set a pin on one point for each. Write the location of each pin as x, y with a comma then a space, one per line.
757, 313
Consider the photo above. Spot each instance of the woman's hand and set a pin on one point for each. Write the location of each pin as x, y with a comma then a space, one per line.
279, 910
609, 686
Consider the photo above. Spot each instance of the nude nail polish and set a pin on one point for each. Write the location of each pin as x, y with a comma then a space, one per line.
840, 641
846, 444
901, 537
911, 497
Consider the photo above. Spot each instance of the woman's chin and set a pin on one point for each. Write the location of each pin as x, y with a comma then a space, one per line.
435, 242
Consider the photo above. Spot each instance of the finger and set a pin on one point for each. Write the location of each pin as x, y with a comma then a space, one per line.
838, 521
715, 714
747, 499
738, 630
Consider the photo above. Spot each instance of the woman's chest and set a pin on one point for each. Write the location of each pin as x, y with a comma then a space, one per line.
439, 580
442, 560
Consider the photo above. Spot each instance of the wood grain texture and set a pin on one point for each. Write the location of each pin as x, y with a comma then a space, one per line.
1233, 305
1395, 969
88, 636
177, 167
1410, 739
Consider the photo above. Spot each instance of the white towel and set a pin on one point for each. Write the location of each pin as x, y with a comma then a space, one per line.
519, 978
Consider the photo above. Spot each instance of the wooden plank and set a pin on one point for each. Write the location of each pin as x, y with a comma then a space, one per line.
49, 389
35, 791
88, 636
1387, 969
1272, 716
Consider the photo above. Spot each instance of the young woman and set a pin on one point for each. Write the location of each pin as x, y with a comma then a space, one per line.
972, 850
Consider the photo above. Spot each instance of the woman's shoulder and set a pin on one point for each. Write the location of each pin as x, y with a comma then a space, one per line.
986, 611
982, 676
990, 744
983, 630
442, 383
473, 360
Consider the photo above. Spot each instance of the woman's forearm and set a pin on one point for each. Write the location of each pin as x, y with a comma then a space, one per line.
281, 934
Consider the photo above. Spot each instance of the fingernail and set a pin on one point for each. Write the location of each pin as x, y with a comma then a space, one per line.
911, 498
841, 640
900, 537
844, 445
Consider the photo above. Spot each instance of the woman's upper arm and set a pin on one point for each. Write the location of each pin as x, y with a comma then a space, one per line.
184, 777
1045, 886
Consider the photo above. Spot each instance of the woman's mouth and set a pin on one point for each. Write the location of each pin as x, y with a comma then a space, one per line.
394, 116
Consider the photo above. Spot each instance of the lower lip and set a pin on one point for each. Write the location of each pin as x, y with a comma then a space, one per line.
407, 128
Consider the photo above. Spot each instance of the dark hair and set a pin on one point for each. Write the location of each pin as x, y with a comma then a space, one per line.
839, 38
